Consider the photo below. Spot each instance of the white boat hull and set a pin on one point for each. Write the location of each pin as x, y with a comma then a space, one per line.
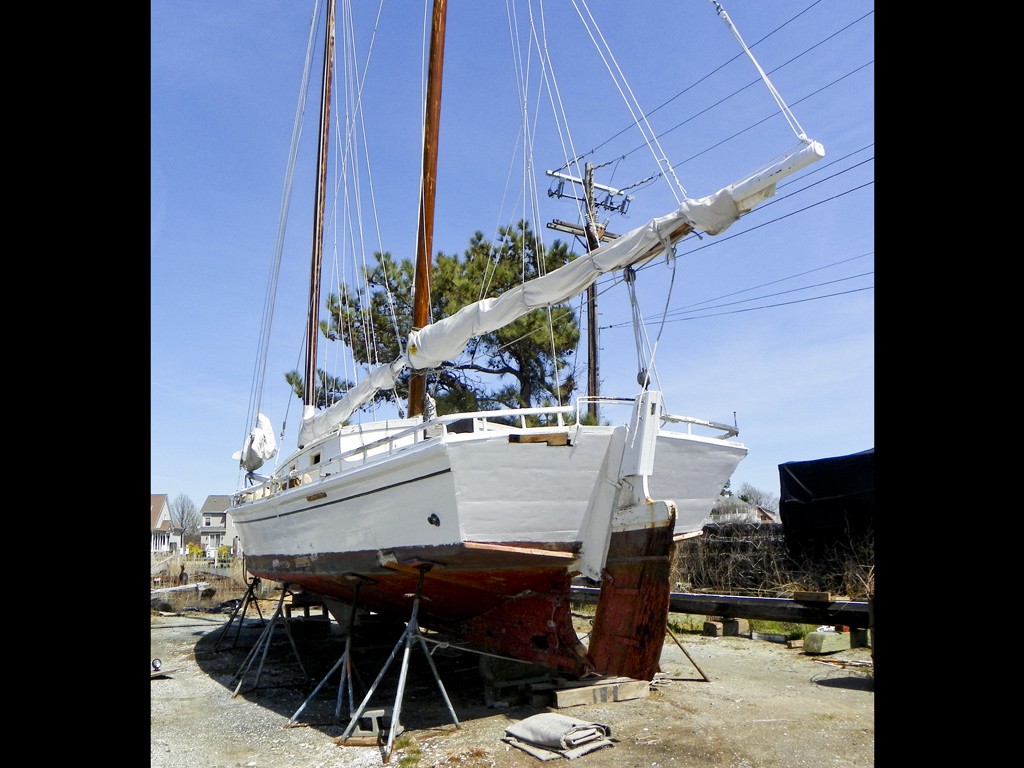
460, 488
497, 517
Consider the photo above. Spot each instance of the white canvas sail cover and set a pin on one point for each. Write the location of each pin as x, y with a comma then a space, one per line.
259, 446
445, 339
317, 423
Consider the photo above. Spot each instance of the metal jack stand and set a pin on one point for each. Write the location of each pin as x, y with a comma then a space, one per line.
264, 642
250, 598
687, 654
345, 663
412, 629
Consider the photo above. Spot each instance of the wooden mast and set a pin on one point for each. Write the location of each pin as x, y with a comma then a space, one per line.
425, 240
313, 310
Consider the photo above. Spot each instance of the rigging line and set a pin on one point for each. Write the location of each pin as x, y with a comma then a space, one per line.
531, 201
580, 311
523, 201
664, 314
345, 169
491, 267
759, 122
753, 309
776, 306
611, 280
780, 280
349, 177
340, 217
618, 77
547, 84
723, 239
794, 124
499, 229
684, 311
260, 370
536, 38
355, 119
698, 307
775, 199
359, 117
738, 133
837, 174
494, 254
562, 120
564, 312
520, 74
629, 275
732, 59
371, 353
818, 169
645, 266
779, 218
549, 78
554, 356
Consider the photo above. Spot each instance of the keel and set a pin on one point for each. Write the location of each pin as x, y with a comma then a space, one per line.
632, 611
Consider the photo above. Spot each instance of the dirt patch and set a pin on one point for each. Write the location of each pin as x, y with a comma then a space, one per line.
764, 706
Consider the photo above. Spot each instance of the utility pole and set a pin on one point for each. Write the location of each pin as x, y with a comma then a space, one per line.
595, 234
594, 231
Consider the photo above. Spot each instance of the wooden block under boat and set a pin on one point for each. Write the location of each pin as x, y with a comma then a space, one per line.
622, 689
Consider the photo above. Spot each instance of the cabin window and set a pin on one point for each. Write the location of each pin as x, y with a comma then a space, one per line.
315, 459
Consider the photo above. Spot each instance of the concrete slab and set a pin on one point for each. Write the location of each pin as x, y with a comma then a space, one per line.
826, 642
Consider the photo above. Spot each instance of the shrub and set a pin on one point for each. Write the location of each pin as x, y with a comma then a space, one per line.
753, 559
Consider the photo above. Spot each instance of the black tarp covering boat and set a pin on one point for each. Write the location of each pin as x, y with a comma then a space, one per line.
828, 504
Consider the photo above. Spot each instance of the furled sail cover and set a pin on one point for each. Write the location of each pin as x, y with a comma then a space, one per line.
445, 339
319, 423
259, 446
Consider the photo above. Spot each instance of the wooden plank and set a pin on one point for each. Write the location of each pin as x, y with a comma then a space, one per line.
589, 682
551, 438
812, 597
601, 694
518, 550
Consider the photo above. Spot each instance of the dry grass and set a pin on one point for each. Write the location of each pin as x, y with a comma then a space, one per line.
752, 559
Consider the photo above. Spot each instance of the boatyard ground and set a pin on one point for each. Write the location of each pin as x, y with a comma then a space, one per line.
728, 702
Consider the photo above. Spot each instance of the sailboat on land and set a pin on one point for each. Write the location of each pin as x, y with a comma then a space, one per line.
492, 514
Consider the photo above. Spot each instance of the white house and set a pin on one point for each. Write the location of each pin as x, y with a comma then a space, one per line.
165, 537
213, 525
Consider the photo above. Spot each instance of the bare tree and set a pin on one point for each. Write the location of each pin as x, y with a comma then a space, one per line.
732, 509
759, 498
185, 515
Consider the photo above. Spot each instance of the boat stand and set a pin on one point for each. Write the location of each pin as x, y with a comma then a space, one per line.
240, 610
264, 643
687, 654
412, 630
344, 663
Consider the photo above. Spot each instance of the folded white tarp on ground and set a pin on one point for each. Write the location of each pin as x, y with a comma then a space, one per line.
548, 736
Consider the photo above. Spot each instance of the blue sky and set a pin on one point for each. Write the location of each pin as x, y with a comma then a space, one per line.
770, 323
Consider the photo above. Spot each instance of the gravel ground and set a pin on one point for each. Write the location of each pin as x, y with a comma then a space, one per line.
764, 705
